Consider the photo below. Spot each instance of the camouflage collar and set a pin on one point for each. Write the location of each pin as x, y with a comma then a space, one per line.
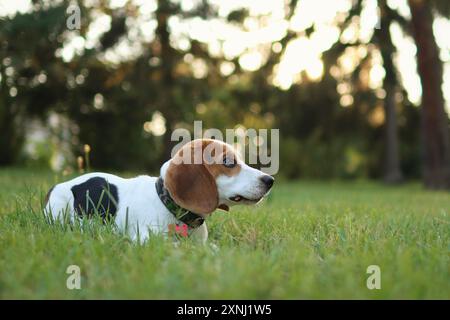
191, 219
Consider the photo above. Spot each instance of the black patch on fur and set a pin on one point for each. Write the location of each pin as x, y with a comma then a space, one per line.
95, 195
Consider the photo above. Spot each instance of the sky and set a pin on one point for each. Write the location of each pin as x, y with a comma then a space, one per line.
260, 33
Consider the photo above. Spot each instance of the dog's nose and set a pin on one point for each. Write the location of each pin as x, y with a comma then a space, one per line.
268, 180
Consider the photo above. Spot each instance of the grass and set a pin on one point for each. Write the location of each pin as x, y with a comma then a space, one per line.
308, 240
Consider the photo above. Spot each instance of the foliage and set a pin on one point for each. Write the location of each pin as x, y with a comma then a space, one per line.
108, 103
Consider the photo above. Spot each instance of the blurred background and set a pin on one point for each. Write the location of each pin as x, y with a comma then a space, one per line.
358, 88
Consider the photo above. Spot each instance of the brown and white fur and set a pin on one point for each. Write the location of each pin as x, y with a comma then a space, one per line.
200, 188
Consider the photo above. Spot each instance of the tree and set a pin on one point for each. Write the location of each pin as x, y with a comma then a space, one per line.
392, 171
28, 69
381, 38
435, 122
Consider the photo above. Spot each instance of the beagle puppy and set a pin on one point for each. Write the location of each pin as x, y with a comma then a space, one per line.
203, 175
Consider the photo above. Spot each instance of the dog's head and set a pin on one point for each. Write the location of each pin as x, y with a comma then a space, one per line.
208, 174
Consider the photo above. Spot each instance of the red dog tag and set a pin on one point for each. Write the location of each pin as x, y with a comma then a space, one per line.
175, 229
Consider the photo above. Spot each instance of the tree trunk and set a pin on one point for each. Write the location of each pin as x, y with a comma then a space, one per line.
392, 172
10, 140
435, 122
11, 137
166, 101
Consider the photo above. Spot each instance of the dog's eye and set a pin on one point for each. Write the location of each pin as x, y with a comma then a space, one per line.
229, 162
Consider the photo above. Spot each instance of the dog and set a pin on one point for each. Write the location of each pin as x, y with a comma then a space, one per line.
202, 176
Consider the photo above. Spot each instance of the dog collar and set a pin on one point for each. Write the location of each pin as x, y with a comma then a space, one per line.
191, 219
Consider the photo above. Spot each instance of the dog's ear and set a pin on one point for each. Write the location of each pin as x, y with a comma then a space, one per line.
192, 187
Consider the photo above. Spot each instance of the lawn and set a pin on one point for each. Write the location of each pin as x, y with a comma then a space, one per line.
308, 240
